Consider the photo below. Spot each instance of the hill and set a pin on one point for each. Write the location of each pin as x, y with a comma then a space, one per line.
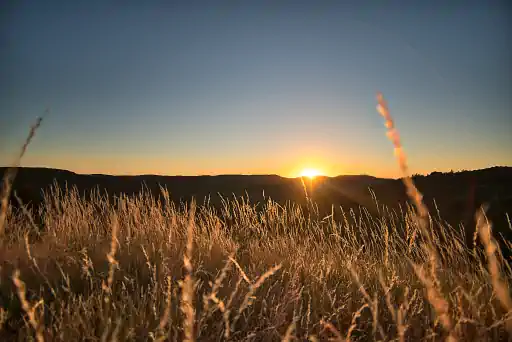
457, 195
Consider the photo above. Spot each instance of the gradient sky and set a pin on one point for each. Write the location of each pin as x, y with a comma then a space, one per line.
146, 87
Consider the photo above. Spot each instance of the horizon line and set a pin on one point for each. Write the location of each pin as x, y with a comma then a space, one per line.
249, 174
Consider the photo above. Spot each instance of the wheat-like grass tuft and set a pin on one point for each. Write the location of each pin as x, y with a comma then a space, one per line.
288, 336
438, 302
112, 262
10, 174
393, 135
372, 304
353, 323
164, 320
30, 310
330, 327
253, 287
187, 294
501, 286
432, 283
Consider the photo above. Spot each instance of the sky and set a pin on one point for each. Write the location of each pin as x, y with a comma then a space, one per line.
259, 87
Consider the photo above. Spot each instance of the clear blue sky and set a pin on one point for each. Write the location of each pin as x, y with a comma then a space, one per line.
256, 87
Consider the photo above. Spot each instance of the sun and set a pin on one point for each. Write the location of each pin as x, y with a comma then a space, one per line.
310, 173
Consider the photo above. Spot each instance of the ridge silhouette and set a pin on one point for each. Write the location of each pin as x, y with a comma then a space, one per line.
457, 194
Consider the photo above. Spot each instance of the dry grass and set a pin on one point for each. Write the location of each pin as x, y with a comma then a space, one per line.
11, 174
267, 280
136, 268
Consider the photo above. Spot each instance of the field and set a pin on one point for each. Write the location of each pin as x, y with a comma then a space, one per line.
115, 270
146, 268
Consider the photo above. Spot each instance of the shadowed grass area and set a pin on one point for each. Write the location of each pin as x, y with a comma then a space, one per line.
327, 270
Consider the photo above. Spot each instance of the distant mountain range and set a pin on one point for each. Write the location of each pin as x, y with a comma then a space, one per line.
457, 195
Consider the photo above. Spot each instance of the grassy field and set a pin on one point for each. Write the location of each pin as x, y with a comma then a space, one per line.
115, 270
135, 268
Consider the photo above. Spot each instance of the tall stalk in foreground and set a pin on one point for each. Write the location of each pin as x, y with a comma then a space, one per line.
434, 295
10, 174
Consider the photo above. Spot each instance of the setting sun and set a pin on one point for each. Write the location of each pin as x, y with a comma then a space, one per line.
310, 173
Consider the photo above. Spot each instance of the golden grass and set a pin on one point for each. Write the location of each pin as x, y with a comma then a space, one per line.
286, 283
432, 283
187, 288
30, 310
264, 272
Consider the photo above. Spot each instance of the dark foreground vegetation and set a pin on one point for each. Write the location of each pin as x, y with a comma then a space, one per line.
254, 266
456, 196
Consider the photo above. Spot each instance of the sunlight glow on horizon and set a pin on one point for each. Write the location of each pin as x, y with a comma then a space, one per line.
194, 90
310, 173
